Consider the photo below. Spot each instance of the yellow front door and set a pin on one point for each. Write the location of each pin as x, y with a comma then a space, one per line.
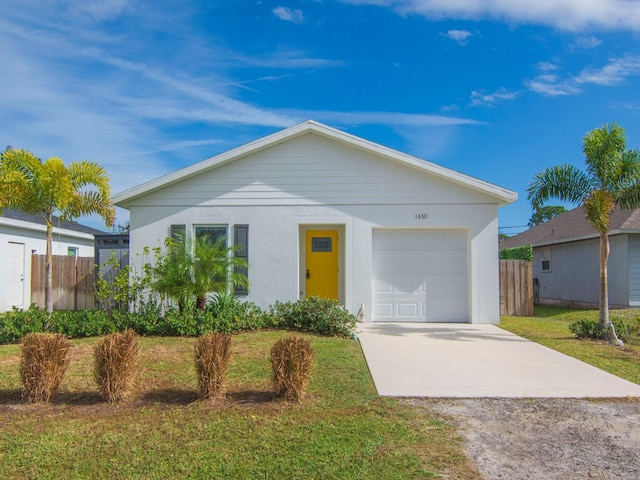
321, 271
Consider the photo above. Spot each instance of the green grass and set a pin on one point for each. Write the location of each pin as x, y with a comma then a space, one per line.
550, 327
341, 430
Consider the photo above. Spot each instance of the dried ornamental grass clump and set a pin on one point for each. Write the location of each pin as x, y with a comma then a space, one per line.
43, 364
115, 363
212, 352
291, 360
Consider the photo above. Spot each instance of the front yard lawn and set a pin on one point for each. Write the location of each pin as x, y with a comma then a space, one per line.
341, 430
550, 327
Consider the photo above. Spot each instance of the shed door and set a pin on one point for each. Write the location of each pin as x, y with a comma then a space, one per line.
420, 276
16, 275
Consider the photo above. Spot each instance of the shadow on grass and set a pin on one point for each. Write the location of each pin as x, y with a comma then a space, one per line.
246, 397
10, 396
171, 396
77, 398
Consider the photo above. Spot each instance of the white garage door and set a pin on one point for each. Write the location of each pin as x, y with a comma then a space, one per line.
420, 276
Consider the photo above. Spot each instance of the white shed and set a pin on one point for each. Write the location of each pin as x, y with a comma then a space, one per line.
321, 212
22, 235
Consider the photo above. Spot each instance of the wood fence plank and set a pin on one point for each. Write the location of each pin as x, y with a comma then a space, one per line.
72, 282
516, 288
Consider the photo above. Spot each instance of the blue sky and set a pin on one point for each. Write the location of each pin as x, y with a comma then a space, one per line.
495, 89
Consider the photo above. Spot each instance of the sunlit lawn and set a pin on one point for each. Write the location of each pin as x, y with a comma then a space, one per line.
550, 327
341, 430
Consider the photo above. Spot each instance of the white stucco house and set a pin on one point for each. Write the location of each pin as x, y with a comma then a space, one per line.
22, 235
318, 211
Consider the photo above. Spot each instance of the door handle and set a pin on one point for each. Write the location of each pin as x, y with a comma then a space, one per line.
308, 274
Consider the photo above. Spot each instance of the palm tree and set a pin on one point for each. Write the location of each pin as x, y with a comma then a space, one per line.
187, 270
612, 177
50, 188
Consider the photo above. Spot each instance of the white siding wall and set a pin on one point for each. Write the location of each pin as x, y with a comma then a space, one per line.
33, 239
310, 170
313, 181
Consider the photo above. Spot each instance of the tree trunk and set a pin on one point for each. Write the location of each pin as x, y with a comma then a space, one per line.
48, 270
605, 323
201, 302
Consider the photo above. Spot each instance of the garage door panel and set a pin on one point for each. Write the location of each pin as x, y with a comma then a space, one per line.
444, 310
419, 261
415, 239
420, 275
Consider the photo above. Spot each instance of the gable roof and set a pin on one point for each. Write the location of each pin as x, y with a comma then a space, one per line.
571, 226
11, 214
502, 195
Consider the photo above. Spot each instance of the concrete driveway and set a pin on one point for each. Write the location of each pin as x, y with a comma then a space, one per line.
470, 360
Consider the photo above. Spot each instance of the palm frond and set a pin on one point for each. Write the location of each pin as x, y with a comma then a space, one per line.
602, 148
598, 207
563, 182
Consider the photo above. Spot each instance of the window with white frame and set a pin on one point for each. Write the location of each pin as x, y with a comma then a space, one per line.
546, 259
72, 251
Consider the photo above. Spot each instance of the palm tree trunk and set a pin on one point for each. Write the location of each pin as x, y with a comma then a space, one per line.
48, 270
605, 323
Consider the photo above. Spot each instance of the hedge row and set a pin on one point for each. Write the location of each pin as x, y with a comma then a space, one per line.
316, 315
517, 253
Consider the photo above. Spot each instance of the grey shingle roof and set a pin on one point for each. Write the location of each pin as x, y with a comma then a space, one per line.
572, 225
74, 226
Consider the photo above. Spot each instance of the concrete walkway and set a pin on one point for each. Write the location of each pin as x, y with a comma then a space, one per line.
470, 360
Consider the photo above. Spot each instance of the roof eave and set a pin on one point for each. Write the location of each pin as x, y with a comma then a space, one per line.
36, 227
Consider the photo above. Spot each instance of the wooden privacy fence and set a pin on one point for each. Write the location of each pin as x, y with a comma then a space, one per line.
516, 288
72, 282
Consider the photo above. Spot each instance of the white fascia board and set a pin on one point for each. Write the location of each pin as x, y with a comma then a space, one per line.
503, 195
36, 227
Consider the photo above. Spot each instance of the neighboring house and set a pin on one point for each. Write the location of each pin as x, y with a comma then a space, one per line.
566, 259
317, 211
21, 236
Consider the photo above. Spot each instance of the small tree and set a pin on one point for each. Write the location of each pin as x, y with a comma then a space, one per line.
612, 178
542, 214
50, 188
187, 271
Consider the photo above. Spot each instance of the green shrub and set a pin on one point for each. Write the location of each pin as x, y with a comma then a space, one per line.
228, 314
586, 329
212, 355
16, 324
115, 362
517, 253
319, 315
591, 329
291, 360
43, 364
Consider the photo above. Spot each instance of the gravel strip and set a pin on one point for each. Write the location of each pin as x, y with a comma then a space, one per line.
546, 438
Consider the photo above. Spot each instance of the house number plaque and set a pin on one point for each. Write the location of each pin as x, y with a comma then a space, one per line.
422, 216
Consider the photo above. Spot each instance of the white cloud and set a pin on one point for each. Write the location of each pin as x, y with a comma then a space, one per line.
587, 43
546, 67
479, 98
615, 72
548, 85
396, 119
289, 15
99, 10
572, 15
460, 36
